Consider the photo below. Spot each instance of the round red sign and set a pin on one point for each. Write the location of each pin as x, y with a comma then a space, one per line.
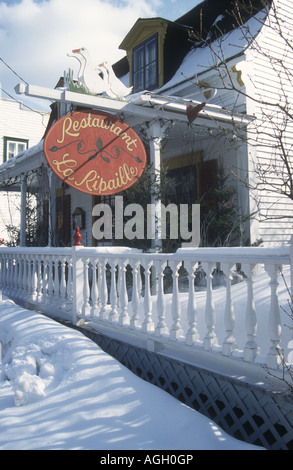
95, 152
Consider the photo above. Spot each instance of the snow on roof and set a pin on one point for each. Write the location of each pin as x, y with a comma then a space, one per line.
206, 57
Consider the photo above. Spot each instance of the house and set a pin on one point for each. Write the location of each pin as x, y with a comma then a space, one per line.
203, 106
20, 129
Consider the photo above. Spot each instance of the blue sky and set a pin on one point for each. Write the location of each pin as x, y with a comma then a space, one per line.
36, 35
173, 9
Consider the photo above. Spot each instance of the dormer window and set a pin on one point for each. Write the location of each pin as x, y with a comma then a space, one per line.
145, 65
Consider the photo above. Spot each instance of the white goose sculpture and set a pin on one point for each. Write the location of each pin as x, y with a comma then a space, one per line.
88, 76
114, 87
81, 65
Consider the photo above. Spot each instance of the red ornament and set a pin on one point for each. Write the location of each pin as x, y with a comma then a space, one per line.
77, 237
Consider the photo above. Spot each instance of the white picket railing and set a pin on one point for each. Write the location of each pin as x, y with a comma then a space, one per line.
151, 296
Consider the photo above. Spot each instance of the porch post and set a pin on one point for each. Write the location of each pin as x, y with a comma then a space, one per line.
50, 228
52, 207
155, 133
23, 189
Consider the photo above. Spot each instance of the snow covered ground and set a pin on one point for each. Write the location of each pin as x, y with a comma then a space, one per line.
59, 390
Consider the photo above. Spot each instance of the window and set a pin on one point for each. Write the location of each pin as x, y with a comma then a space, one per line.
145, 65
185, 189
13, 147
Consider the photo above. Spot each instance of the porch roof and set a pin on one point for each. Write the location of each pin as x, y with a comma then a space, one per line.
140, 109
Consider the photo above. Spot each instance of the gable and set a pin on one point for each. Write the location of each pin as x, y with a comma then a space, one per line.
172, 44
142, 30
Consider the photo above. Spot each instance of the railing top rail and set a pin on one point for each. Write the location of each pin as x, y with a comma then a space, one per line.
36, 250
250, 255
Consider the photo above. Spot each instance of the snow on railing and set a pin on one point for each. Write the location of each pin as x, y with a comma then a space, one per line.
161, 299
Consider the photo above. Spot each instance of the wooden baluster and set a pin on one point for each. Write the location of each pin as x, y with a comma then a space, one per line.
15, 276
20, 276
50, 280
24, 276
135, 301
94, 291
99, 266
8, 273
20, 281
210, 339
12, 268
7, 265
251, 349
161, 328
275, 355
114, 316
139, 281
1, 272
86, 288
69, 287
192, 333
56, 281
29, 277
103, 291
119, 274
11, 274
62, 283
124, 318
230, 342
10, 282
39, 278
45, 292
176, 330
17, 279
147, 324
34, 277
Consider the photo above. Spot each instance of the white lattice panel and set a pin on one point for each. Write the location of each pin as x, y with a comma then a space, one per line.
253, 415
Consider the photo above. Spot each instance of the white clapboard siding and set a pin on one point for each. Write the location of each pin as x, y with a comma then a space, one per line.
272, 85
17, 122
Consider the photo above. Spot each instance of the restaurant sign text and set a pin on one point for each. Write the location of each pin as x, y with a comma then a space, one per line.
95, 152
